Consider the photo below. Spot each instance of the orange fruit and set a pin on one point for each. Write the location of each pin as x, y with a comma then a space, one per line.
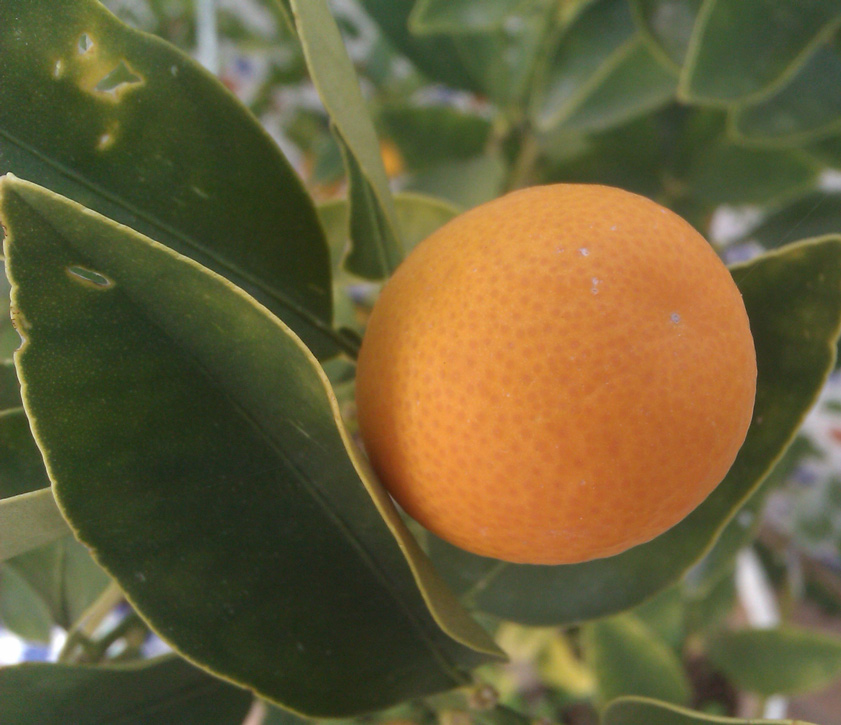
556, 376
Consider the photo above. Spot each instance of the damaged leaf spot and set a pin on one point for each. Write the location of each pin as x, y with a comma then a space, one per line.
85, 43
88, 277
118, 81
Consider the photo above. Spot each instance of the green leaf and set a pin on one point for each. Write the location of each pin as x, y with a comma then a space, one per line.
629, 659
21, 466
437, 56
643, 711
664, 616
787, 660
428, 135
29, 520
374, 230
793, 300
806, 106
731, 174
814, 215
9, 387
418, 215
667, 25
63, 576
22, 611
197, 449
169, 152
163, 691
463, 183
464, 16
600, 74
740, 50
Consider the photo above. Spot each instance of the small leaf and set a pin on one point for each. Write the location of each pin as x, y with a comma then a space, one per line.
173, 154
629, 659
29, 520
197, 449
739, 50
464, 16
793, 300
667, 25
162, 691
376, 240
643, 711
805, 107
787, 660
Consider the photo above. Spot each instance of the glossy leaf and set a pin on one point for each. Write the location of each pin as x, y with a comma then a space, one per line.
162, 691
376, 236
730, 174
739, 50
427, 135
168, 151
196, 447
27, 521
806, 106
600, 74
464, 16
667, 25
629, 659
787, 660
644, 711
793, 299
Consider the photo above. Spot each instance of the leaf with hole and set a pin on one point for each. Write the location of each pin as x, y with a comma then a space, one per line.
793, 300
196, 447
150, 139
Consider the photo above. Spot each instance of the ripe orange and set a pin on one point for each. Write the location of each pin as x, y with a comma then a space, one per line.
557, 375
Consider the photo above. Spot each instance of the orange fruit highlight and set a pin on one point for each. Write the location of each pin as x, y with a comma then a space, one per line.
556, 376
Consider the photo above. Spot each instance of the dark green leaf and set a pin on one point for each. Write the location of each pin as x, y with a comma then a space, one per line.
9, 386
168, 152
667, 24
642, 711
374, 230
793, 300
600, 74
428, 135
787, 660
28, 521
163, 691
21, 466
464, 16
739, 50
807, 105
196, 447
629, 659
730, 174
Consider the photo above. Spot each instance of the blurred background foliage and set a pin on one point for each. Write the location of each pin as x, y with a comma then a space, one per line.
726, 111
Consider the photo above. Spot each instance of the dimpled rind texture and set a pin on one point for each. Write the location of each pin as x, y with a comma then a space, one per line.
556, 376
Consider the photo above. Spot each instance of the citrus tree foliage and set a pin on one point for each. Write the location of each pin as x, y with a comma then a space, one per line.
177, 453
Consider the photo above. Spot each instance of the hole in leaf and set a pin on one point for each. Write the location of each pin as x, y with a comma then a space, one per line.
85, 43
118, 80
88, 276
